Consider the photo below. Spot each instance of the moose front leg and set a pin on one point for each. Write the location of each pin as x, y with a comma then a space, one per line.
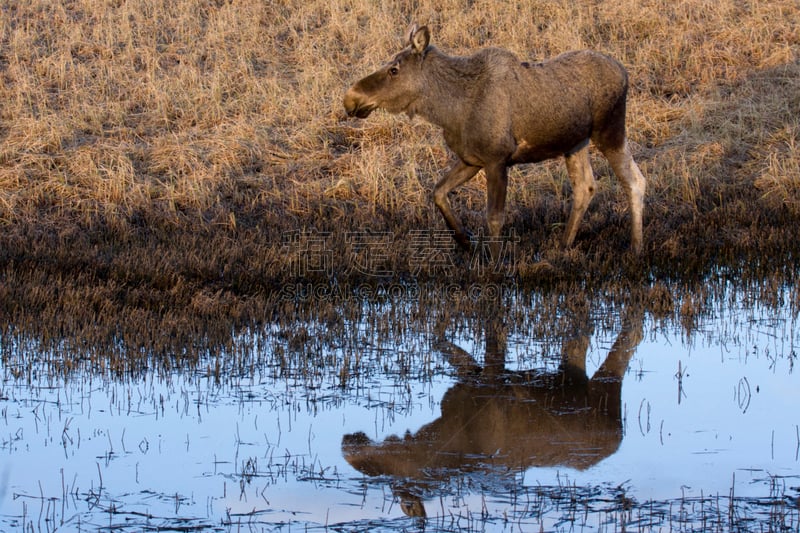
496, 186
458, 175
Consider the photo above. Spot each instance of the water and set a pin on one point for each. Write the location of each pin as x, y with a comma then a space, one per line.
252, 438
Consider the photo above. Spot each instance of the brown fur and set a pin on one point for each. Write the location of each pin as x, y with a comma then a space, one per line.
503, 421
496, 111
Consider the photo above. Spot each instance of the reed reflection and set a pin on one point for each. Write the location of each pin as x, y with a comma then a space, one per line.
499, 422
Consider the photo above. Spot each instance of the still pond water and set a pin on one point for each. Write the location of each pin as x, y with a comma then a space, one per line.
608, 420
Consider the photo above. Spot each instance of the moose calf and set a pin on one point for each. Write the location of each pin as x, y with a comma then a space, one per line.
497, 111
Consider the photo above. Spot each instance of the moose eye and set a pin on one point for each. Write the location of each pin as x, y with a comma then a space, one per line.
393, 70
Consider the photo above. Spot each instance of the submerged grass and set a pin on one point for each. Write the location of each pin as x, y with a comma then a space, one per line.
376, 354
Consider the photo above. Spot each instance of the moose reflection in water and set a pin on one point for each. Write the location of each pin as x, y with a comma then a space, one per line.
499, 422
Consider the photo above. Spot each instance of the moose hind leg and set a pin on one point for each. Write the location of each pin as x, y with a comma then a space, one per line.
458, 175
582, 179
635, 185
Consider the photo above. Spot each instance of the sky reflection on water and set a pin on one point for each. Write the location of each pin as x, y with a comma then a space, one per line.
701, 415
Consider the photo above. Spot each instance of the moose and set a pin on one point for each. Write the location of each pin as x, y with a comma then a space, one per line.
498, 421
496, 111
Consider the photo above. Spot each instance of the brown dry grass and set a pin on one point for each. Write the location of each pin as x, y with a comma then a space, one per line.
160, 155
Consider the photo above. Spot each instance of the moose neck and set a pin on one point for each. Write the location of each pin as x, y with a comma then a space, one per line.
449, 81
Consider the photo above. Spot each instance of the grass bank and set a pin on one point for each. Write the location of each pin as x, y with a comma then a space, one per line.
175, 163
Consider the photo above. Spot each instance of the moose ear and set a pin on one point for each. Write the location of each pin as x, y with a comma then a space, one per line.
419, 38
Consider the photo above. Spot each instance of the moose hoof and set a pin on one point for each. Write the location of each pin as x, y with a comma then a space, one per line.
464, 240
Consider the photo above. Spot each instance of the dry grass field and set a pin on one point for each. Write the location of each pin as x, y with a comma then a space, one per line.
165, 157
